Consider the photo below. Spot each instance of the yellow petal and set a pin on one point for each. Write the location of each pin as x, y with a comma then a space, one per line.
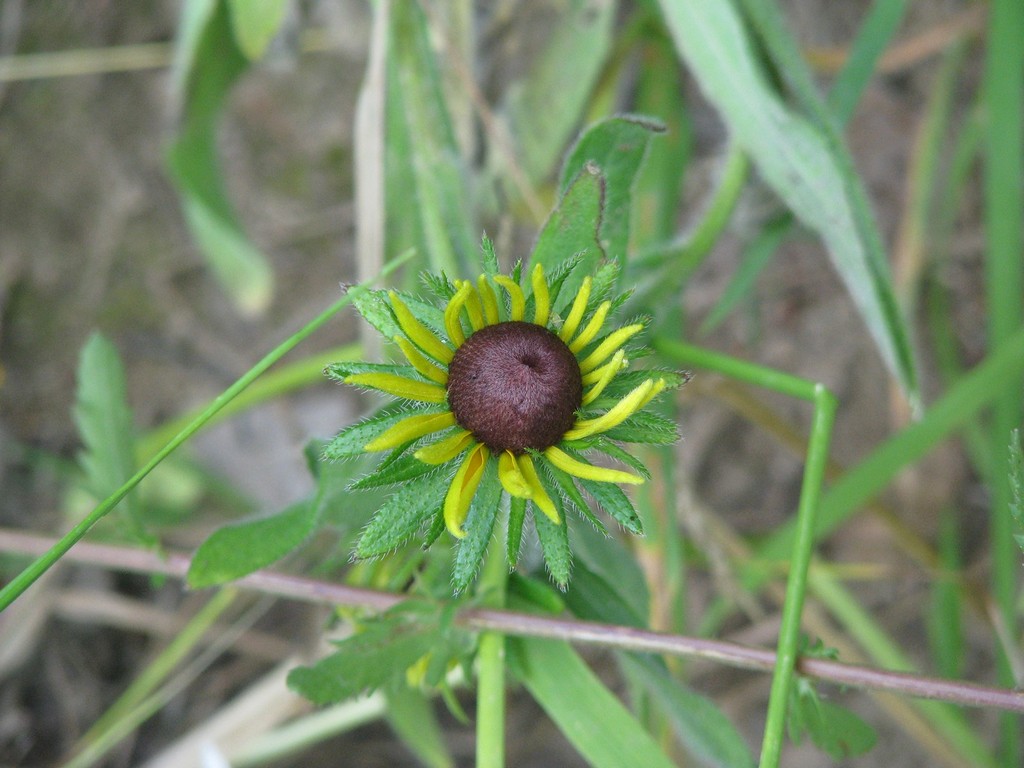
399, 386
490, 301
515, 295
445, 450
539, 495
659, 385
511, 477
420, 363
622, 410
609, 345
409, 429
418, 333
452, 323
588, 333
541, 296
460, 492
601, 377
579, 306
474, 309
567, 463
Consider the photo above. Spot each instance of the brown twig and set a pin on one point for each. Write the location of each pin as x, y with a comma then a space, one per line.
528, 625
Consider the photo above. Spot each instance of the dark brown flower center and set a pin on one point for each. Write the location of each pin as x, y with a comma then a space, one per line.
515, 386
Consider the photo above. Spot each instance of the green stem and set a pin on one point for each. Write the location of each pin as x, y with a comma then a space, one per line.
796, 586
490, 700
40, 565
810, 494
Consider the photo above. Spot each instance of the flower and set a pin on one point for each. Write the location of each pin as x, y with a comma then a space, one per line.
499, 379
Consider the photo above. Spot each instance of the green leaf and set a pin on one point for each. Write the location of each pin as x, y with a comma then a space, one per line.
374, 657
427, 175
573, 229
239, 549
554, 543
544, 108
609, 448
800, 160
207, 63
404, 514
594, 721
835, 730
479, 524
616, 145
339, 371
401, 469
616, 503
255, 23
411, 715
352, 440
700, 725
645, 427
1016, 477
514, 540
104, 422
374, 307
572, 493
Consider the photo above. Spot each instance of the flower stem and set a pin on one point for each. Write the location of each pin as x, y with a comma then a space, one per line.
490, 700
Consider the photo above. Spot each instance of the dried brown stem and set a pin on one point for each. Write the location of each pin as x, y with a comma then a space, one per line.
527, 625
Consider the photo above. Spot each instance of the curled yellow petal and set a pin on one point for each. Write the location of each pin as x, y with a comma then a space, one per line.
609, 345
538, 495
418, 333
515, 295
490, 301
579, 306
399, 386
601, 377
452, 323
541, 296
474, 308
409, 429
659, 385
622, 410
420, 362
462, 488
511, 477
446, 449
567, 463
591, 329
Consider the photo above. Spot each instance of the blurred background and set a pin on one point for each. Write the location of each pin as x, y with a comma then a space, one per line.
94, 236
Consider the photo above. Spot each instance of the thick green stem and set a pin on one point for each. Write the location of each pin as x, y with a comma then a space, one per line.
490, 695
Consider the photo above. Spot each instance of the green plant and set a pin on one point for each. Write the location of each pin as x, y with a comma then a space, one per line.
610, 233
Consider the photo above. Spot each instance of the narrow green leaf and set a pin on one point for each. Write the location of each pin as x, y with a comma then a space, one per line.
401, 469
616, 503
404, 514
572, 494
479, 524
207, 64
352, 440
616, 145
373, 306
514, 540
554, 543
700, 725
596, 723
239, 549
255, 23
573, 229
810, 172
339, 371
645, 427
104, 422
945, 613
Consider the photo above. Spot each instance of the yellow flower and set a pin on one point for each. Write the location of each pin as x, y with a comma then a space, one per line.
503, 380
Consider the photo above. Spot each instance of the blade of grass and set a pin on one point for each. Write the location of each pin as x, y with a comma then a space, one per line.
1003, 86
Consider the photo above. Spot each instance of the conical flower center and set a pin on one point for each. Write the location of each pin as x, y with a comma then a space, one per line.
515, 386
